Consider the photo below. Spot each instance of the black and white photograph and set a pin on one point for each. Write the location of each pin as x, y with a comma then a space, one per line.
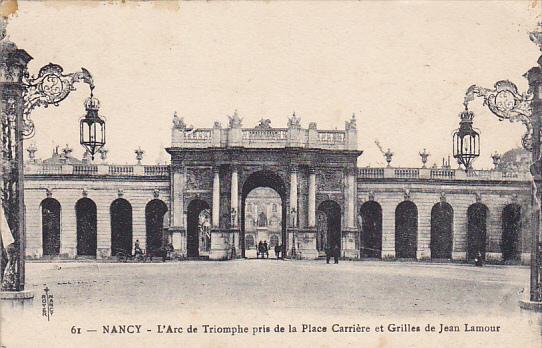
270, 173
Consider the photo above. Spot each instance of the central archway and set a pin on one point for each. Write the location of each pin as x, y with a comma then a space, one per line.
269, 179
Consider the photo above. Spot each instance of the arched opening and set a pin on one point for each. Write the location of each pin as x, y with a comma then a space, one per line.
442, 218
321, 231
260, 191
263, 200
50, 226
406, 230
329, 213
511, 228
85, 210
121, 226
198, 236
476, 230
154, 223
371, 229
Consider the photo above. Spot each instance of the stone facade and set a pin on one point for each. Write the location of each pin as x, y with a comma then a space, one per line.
322, 199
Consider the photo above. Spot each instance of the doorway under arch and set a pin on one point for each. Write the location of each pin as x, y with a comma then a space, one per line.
331, 210
198, 227
321, 232
50, 226
154, 223
476, 230
121, 226
511, 228
406, 230
87, 238
269, 179
442, 217
371, 229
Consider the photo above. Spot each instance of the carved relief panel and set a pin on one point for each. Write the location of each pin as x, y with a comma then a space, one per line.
330, 180
199, 179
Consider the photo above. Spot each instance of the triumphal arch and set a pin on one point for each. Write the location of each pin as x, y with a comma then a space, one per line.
313, 171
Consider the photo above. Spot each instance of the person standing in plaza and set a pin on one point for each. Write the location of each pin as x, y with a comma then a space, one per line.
266, 249
336, 253
328, 251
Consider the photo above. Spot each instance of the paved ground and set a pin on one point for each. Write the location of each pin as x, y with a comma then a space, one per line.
267, 292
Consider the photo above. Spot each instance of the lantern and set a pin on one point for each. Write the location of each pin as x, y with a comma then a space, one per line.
92, 127
466, 140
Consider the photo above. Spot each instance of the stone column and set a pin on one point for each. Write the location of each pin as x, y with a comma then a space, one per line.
494, 229
234, 196
177, 195
460, 205
177, 226
423, 245
220, 238
103, 231
312, 198
350, 199
68, 231
388, 228
216, 198
349, 231
293, 198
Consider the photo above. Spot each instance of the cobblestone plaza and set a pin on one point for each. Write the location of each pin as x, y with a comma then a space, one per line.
264, 293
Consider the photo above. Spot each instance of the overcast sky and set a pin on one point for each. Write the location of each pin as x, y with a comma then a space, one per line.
402, 67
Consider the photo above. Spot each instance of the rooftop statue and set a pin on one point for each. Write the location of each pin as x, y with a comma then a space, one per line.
178, 123
235, 120
264, 124
294, 121
350, 124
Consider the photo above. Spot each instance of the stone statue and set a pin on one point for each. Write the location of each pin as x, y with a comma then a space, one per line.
178, 123
350, 124
235, 120
262, 220
66, 151
294, 121
139, 154
264, 124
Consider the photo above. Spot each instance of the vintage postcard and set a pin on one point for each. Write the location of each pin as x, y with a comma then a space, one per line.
271, 174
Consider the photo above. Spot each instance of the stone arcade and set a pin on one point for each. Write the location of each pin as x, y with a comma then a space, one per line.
94, 209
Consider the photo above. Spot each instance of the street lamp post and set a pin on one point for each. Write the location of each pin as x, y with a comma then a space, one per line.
234, 226
505, 102
20, 95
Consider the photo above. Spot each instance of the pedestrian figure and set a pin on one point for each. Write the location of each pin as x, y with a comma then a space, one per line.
328, 253
277, 251
478, 260
336, 253
137, 248
266, 249
259, 250
170, 249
